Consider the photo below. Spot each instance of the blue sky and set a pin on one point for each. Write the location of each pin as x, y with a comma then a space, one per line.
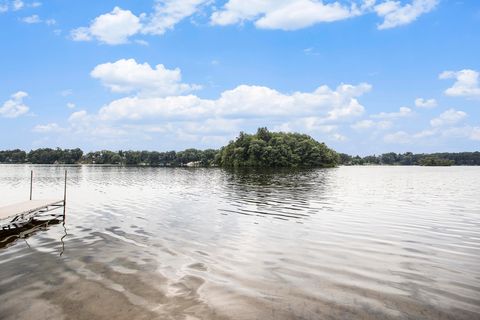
364, 76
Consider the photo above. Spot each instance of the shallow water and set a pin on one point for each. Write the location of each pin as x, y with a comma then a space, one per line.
163, 243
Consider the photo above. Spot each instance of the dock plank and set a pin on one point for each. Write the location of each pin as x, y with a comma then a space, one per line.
26, 207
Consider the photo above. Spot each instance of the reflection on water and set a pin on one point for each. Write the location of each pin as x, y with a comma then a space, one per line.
282, 194
23, 232
164, 243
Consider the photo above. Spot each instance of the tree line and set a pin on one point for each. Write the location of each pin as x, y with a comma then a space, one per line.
262, 149
76, 156
411, 159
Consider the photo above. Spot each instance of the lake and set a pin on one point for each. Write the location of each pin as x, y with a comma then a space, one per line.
191, 243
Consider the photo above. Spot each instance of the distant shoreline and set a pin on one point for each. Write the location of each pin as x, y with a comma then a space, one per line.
204, 158
264, 149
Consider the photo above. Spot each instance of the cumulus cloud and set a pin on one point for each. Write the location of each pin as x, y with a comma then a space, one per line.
35, 19
435, 133
370, 124
403, 112
297, 14
466, 83
14, 107
400, 137
117, 26
47, 128
111, 28
244, 102
13, 5
71, 105
168, 13
475, 134
214, 121
425, 103
16, 5
127, 76
285, 15
395, 14
449, 117
66, 92
32, 19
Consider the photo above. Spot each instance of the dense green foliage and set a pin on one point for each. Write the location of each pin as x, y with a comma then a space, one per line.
276, 149
408, 159
263, 149
434, 161
42, 156
152, 158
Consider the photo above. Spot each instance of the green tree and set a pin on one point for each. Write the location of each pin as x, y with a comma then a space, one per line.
276, 149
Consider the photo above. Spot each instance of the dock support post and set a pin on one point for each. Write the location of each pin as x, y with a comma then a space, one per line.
31, 183
65, 196
65, 189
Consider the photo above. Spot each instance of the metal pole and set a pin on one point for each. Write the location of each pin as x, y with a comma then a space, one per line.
65, 189
31, 183
65, 196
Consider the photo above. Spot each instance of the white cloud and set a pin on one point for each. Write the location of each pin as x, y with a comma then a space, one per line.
142, 42
400, 137
475, 134
17, 5
168, 13
32, 19
35, 19
466, 84
66, 92
370, 124
111, 28
71, 105
244, 102
47, 128
425, 133
310, 124
469, 132
79, 116
126, 76
434, 134
338, 137
81, 34
297, 14
403, 112
395, 14
119, 25
449, 117
14, 107
425, 103
283, 14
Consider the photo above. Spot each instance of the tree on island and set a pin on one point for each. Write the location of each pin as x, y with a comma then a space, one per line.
276, 149
434, 161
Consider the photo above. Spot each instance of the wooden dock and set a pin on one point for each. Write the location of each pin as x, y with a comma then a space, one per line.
28, 207
17, 214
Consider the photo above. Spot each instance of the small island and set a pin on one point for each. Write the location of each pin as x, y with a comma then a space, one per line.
276, 149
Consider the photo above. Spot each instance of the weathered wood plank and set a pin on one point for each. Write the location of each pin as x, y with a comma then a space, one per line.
26, 207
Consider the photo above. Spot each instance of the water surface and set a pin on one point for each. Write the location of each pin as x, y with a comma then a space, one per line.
164, 243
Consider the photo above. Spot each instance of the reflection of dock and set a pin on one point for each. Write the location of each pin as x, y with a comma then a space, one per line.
10, 236
18, 214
